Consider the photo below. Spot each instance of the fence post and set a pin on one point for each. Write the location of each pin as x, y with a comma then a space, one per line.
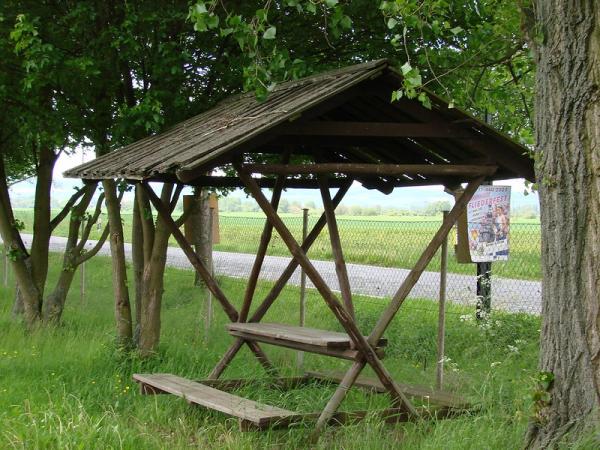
439, 379
209, 264
303, 286
82, 283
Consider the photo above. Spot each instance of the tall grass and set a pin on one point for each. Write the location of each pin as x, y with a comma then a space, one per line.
69, 388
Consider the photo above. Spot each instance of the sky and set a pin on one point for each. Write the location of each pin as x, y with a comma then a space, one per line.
400, 198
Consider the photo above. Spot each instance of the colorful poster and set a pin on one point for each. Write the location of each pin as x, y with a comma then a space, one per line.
488, 223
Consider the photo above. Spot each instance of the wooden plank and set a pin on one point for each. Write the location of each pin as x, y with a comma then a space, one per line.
375, 129
465, 170
199, 394
301, 335
351, 355
433, 396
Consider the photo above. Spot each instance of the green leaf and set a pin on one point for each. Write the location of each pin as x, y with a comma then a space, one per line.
213, 21
391, 23
331, 3
456, 30
270, 33
406, 67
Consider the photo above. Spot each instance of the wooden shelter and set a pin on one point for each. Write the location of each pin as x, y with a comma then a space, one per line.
344, 124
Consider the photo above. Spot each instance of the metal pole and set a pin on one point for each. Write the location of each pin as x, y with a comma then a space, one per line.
303, 286
439, 379
209, 266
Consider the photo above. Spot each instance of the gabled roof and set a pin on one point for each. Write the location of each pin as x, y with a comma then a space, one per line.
343, 115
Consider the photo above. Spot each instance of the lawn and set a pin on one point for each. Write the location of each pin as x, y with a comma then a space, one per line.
381, 240
69, 388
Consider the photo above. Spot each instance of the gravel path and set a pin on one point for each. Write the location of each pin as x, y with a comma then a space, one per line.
508, 294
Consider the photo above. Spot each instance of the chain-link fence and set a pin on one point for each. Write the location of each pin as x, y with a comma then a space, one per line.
379, 255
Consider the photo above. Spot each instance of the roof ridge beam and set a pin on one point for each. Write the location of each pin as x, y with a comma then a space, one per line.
466, 170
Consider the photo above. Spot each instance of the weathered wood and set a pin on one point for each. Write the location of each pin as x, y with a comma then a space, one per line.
301, 335
424, 393
344, 318
415, 273
351, 355
199, 394
197, 263
336, 246
375, 129
373, 169
390, 415
439, 376
285, 383
264, 183
278, 286
263, 246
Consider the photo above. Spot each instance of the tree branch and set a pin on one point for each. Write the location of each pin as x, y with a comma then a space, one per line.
67, 208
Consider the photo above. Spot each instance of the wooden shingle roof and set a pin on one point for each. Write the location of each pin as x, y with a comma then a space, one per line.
343, 116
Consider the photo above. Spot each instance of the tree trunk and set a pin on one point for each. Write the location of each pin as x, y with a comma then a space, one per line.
153, 284
201, 222
568, 168
117, 250
137, 258
55, 302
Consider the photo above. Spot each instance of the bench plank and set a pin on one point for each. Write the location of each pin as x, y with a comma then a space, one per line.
193, 392
301, 335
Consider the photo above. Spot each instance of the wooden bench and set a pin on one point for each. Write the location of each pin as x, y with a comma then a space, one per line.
324, 342
248, 411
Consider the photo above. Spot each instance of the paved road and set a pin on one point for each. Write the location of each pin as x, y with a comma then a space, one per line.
508, 294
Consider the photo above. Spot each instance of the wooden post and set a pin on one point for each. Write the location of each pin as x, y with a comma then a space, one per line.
82, 273
336, 246
6, 266
211, 269
439, 379
303, 287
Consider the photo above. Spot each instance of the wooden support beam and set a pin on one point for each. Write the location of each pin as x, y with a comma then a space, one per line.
366, 350
469, 171
278, 286
423, 261
336, 247
204, 273
264, 183
375, 129
263, 246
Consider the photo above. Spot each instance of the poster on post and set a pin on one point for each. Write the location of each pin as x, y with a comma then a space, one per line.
488, 223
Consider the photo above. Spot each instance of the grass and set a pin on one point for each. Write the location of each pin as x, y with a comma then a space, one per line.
69, 388
383, 241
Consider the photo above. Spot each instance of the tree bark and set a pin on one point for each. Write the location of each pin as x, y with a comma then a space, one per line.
137, 258
568, 170
153, 284
117, 250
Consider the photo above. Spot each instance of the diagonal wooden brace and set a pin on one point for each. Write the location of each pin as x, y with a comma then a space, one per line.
344, 317
197, 263
397, 301
279, 284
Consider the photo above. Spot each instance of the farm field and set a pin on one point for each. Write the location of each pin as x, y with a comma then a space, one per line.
70, 388
390, 241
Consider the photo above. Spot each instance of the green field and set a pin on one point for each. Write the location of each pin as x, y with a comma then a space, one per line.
69, 388
381, 240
